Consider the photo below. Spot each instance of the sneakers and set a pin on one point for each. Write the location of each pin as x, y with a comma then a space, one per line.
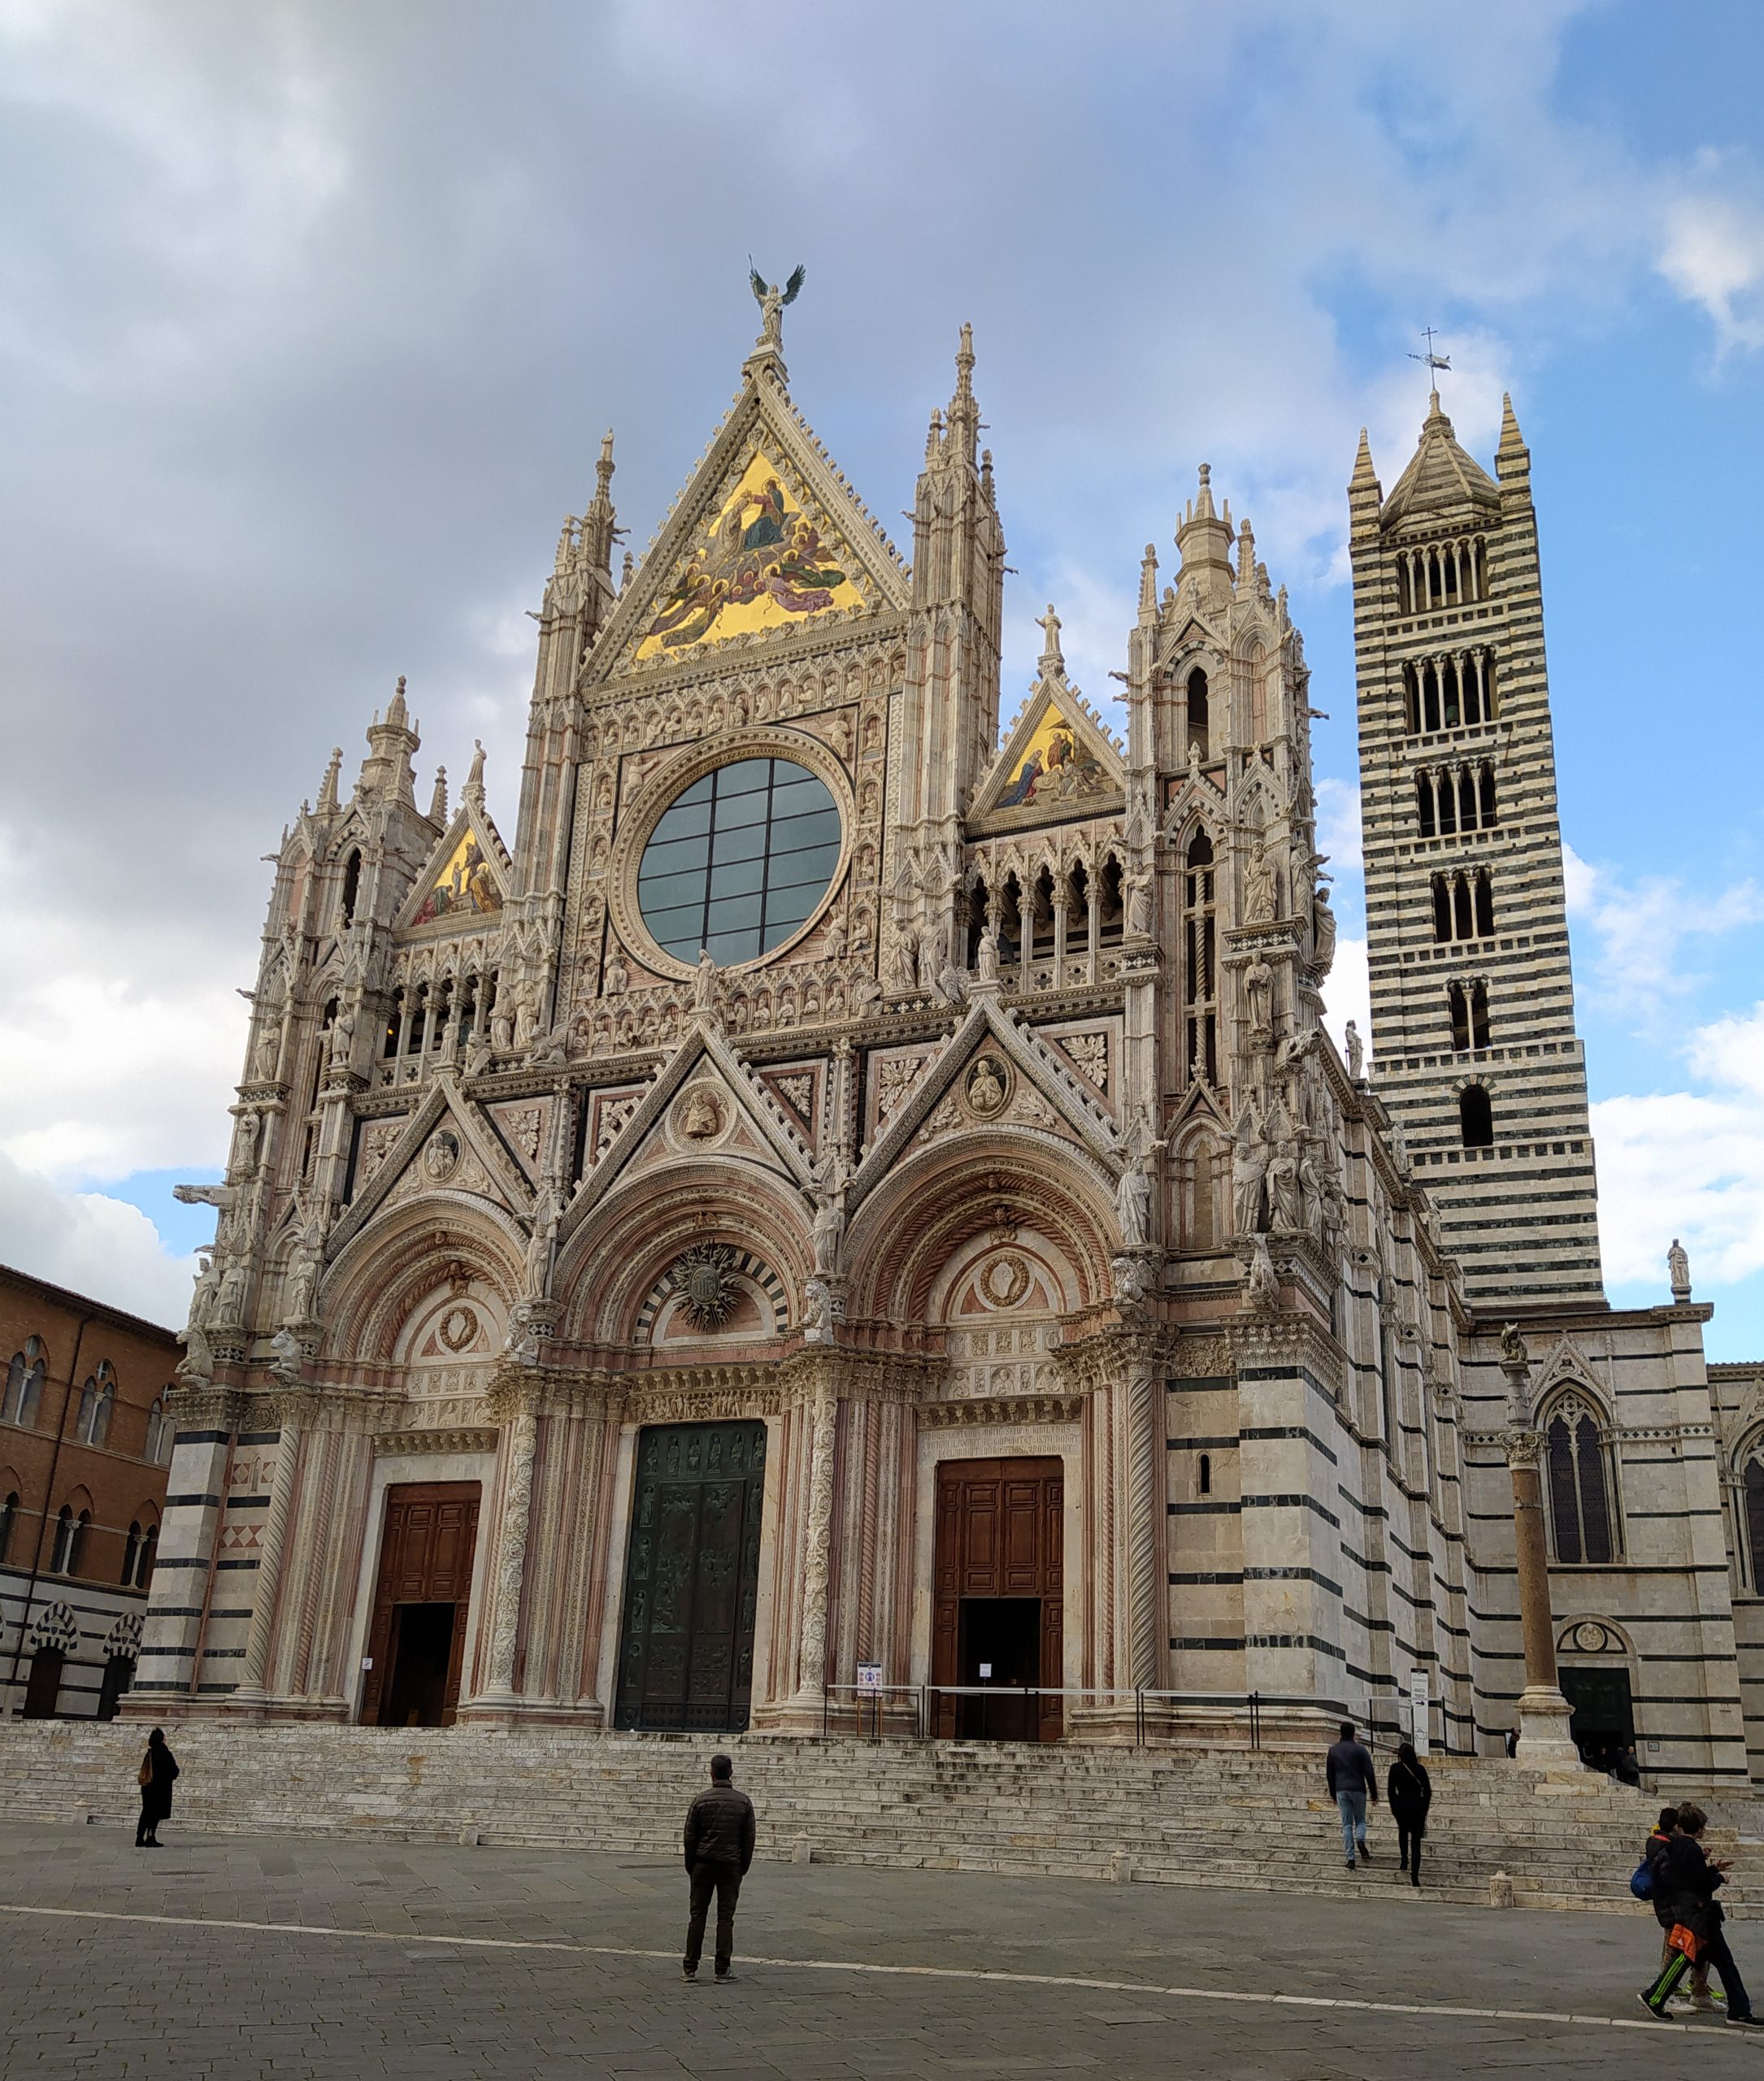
725, 1979
689, 1973
1645, 1997
1350, 1864
1746, 2022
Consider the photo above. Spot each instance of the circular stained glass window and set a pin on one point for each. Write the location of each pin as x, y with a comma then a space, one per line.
739, 861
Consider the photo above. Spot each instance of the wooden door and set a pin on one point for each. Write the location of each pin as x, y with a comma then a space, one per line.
426, 1554
999, 1534
692, 1578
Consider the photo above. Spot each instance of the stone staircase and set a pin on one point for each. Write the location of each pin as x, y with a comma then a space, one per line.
1188, 1817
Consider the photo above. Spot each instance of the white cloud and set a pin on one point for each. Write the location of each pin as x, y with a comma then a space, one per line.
1338, 827
1712, 250
91, 1243
1647, 928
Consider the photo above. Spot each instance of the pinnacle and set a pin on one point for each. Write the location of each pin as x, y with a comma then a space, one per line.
1363, 472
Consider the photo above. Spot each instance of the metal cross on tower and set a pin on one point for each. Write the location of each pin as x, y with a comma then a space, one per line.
1434, 362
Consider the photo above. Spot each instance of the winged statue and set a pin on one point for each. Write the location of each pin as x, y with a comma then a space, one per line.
772, 300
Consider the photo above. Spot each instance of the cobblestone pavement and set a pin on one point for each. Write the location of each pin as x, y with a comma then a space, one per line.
251, 1956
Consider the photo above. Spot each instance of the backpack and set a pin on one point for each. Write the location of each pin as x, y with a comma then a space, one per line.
1641, 1881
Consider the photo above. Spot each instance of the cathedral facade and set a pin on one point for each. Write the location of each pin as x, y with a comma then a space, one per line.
859, 1198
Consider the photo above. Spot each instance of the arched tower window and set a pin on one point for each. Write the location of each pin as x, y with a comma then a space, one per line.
1475, 1117
160, 1432
1200, 729
9, 1517
1579, 1488
25, 1384
1487, 792
1457, 1006
131, 1551
69, 1540
976, 919
1206, 1473
1200, 950
1424, 803
352, 887
1110, 917
1479, 1015
1485, 906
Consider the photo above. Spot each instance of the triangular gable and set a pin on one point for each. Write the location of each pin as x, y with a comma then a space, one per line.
444, 1103
1196, 795
1028, 1054
465, 880
766, 537
704, 1042
1057, 760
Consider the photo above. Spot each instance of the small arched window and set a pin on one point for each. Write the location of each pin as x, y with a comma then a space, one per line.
1424, 803
1200, 728
160, 1432
25, 1384
352, 887
1206, 1473
1479, 1015
69, 1540
9, 1517
131, 1552
1457, 1006
98, 1402
1579, 1491
1475, 1117
145, 1559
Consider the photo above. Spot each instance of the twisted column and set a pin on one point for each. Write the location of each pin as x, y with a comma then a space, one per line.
511, 1553
817, 1537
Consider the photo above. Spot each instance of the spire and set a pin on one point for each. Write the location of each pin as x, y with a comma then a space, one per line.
1512, 458
964, 414
1363, 472
1203, 541
472, 793
328, 785
1202, 507
386, 769
1440, 477
599, 522
1246, 558
1148, 583
437, 808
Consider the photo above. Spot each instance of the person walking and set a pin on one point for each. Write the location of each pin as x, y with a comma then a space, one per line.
1653, 1858
1410, 1791
719, 1847
1351, 1782
158, 1767
1691, 1882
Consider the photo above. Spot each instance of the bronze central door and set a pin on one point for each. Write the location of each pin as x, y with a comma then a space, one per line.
692, 1578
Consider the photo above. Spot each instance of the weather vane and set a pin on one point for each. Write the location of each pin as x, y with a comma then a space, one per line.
1435, 361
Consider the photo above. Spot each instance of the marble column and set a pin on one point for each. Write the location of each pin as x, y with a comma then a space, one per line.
1543, 1712
511, 1563
290, 1412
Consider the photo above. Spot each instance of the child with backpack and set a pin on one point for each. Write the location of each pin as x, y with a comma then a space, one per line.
1648, 1883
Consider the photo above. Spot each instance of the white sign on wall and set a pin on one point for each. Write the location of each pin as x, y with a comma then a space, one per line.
1418, 1709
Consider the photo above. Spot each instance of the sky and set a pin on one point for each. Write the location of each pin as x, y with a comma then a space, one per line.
312, 315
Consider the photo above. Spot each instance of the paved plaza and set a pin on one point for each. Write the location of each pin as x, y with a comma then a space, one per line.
248, 1956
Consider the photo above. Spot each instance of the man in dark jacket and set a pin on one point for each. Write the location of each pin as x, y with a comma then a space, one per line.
719, 1847
1691, 1882
1351, 1782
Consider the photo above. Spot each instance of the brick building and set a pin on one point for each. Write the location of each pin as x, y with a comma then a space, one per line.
84, 1442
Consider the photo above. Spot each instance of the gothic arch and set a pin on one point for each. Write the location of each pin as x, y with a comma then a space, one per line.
383, 1275
610, 1268
916, 1218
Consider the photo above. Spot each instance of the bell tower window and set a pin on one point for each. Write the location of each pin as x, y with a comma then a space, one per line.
1200, 962
1475, 1117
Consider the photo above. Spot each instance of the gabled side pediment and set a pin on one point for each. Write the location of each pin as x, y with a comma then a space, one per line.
465, 880
704, 1101
1057, 762
766, 538
445, 1145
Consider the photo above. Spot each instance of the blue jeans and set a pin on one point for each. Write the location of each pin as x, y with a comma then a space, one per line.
1351, 1805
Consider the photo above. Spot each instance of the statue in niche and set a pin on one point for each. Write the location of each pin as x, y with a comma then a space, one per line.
829, 1228
704, 983
1323, 955
616, 980
1285, 1204
837, 940
1356, 1052
906, 960
1248, 1168
986, 1088
1133, 1203
1261, 899
269, 1049
987, 959
343, 1037
304, 1267
537, 1270
1139, 903
1259, 994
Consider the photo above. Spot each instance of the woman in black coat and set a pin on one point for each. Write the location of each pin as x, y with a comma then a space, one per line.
158, 1767
1410, 1791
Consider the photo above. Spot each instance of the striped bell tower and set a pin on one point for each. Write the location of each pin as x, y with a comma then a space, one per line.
1475, 1053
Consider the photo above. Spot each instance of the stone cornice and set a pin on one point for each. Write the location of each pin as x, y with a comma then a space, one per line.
1001, 1409
465, 1438
1288, 1340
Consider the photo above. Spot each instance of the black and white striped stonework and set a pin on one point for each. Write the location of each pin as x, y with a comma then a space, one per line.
1474, 1048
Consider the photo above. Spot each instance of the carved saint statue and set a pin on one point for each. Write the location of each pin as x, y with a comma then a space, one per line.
906, 960
1323, 953
269, 1049
1356, 1052
829, 1228
1139, 903
343, 1037
988, 957
701, 1120
704, 983
537, 1270
1285, 1203
1678, 1266
1133, 1203
1259, 896
1248, 1168
1259, 994
617, 979
304, 1267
